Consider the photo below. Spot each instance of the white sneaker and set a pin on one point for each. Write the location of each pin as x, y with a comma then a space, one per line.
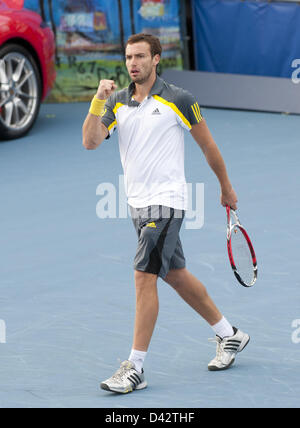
227, 348
126, 379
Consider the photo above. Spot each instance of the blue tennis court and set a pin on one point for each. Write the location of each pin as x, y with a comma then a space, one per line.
67, 295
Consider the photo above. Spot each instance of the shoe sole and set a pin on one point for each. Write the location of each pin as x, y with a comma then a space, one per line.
125, 391
216, 369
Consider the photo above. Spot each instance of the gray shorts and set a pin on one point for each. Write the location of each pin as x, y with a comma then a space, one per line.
159, 247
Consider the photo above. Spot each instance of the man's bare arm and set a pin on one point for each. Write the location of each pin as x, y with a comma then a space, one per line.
93, 130
204, 139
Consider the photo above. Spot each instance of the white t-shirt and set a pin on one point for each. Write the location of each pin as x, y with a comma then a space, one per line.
151, 142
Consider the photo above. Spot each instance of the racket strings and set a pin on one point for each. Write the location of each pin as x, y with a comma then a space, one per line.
242, 256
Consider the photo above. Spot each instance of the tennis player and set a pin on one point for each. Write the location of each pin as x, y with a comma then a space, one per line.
151, 117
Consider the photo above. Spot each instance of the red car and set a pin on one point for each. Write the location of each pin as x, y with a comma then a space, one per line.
27, 67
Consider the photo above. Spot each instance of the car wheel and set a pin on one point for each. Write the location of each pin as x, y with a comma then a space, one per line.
20, 91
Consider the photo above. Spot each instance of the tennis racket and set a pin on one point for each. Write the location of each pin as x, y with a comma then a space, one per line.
240, 250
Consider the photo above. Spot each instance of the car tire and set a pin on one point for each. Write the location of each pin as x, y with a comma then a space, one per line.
20, 91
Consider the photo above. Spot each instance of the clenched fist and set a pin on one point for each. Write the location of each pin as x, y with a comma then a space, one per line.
105, 89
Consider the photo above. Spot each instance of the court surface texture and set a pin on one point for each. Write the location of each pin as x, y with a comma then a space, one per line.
67, 295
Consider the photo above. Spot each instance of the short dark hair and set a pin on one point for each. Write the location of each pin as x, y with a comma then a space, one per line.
155, 46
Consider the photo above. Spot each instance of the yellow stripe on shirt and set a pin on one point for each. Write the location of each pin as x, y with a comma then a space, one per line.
199, 111
114, 123
115, 109
175, 109
195, 113
117, 106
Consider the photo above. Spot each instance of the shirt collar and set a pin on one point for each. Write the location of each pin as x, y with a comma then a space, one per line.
155, 90
157, 87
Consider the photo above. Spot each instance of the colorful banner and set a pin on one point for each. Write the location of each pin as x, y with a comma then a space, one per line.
90, 37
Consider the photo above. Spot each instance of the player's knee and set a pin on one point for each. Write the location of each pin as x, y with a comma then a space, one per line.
143, 279
176, 277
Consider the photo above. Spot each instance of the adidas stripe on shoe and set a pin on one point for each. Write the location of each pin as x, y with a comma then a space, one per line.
227, 348
126, 379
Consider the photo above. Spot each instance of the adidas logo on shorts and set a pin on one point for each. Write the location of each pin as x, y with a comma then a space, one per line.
152, 224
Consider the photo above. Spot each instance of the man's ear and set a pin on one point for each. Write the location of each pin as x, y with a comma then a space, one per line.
157, 59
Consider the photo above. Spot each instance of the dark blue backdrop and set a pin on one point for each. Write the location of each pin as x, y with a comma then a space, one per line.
256, 38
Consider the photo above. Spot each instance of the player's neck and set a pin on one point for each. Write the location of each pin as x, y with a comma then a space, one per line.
143, 90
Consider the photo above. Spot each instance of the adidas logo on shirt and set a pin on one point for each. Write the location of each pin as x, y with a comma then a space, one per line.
156, 111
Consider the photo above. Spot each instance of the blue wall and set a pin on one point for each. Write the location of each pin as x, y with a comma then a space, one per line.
254, 38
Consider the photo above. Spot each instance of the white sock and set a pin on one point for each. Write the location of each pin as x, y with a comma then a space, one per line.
223, 328
137, 358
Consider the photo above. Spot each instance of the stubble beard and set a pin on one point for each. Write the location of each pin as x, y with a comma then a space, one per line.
143, 79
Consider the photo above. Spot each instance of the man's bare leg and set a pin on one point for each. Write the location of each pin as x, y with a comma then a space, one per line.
194, 293
147, 306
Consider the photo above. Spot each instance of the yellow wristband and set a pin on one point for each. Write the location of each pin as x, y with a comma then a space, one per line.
97, 106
